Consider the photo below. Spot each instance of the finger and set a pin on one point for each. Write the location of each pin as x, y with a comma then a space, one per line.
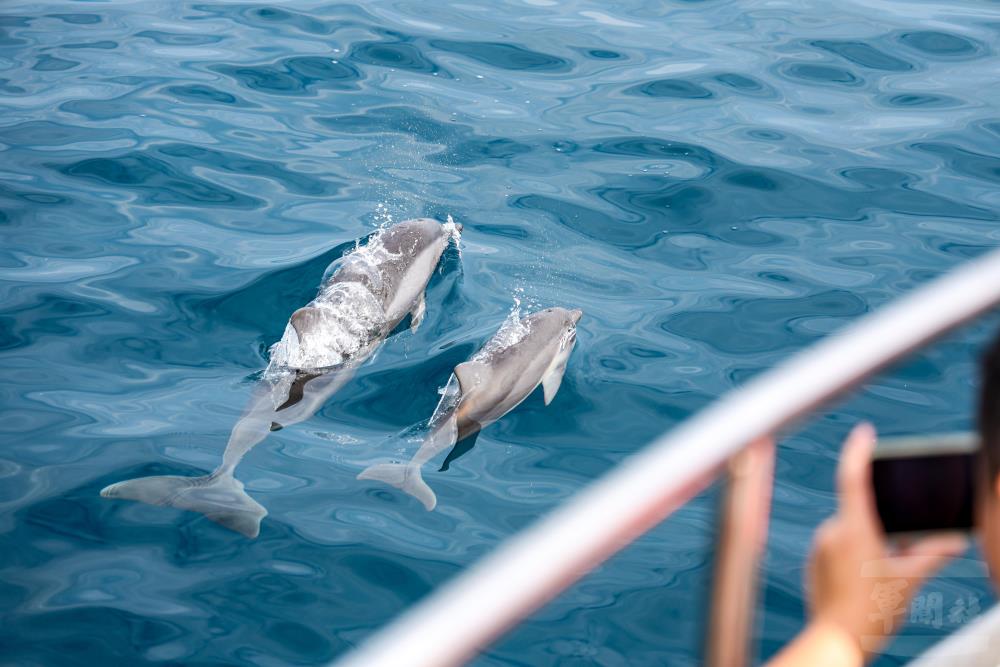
924, 557
759, 454
854, 484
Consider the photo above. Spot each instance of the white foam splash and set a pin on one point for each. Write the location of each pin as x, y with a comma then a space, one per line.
451, 393
454, 231
349, 316
511, 332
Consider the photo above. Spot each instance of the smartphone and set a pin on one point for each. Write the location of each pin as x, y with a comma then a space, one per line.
925, 483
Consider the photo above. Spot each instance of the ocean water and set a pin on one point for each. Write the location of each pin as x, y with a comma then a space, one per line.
716, 184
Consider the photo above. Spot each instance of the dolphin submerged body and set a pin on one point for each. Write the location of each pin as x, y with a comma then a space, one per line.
524, 353
367, 293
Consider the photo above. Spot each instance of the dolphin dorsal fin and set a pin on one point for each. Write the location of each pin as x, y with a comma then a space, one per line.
304, 319
471, 374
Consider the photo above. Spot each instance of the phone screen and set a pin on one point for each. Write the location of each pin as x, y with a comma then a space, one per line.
925, 492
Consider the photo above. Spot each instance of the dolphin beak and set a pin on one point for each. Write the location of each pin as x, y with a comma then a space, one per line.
575, 315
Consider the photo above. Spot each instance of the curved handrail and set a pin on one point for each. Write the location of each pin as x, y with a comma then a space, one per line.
466, 613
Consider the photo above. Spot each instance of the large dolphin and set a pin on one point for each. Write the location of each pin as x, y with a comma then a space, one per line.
365, 295
524, 353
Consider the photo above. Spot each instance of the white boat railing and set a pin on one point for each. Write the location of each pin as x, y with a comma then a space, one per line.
464, 615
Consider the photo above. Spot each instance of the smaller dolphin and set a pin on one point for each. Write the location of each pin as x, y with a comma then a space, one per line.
524, 353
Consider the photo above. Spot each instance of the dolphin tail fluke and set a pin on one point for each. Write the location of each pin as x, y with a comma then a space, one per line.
218, 496
404, 476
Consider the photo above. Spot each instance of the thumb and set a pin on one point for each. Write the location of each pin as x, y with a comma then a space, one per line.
924, 557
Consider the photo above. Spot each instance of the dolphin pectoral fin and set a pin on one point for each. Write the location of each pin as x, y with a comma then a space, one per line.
417, 314
460, 449
553, 379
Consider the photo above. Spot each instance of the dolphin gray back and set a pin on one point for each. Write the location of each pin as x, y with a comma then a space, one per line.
385, 271
504, 372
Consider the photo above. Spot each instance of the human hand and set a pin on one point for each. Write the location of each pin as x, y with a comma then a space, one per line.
860, 587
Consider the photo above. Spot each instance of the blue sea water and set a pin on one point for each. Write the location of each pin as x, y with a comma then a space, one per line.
716, 184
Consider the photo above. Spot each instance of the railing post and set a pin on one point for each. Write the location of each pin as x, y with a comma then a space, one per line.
745, 511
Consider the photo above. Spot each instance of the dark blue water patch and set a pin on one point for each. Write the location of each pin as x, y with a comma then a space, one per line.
678, 88
7, 40
88, 629
103, 45
819, 74
12, 595
200, 93
919, 101
275, 20
744, 84
156, 181
766, 135
15, 21
294, 76
9, 338
504, 56
237, 163
77, 19
653, 147
503, 231
115, 107
463, 147
963, 161
400, 120
179, 39
601, 54
293, 641
815, 111
864, 54
399, 410
400, 53
991, 127
362, 575
21, 204
477, 151
6, 87
753, 179
746, 326
265, 303
940, 44
877, 177
47, 63
50, 315
585, 220
301, 22
721, 196
565, 146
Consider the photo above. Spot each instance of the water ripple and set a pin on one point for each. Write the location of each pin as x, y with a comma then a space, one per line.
715, 185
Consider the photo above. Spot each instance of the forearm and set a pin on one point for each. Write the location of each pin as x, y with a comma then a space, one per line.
820, 645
